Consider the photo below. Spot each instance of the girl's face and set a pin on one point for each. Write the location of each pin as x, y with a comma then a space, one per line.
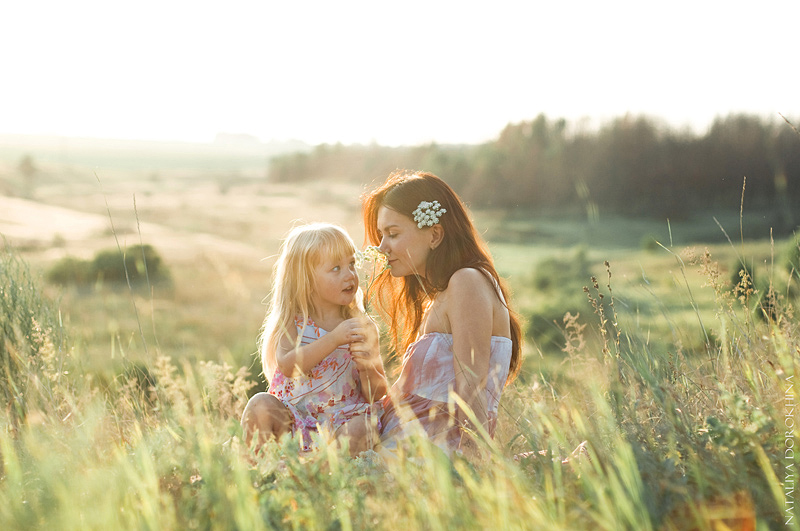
335, 282
405, 245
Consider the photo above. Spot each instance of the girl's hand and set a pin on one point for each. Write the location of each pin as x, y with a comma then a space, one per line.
347, 331
366, 354
365, 346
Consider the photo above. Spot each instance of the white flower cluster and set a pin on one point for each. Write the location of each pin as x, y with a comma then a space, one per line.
427, 213
378, 259
371, 254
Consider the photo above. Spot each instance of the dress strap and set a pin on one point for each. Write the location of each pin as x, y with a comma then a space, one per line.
494, 282
308, 329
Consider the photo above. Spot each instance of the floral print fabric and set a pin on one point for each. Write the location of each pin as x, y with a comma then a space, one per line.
328, 397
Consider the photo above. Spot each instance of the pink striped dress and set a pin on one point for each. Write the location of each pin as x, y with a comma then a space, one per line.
419, 401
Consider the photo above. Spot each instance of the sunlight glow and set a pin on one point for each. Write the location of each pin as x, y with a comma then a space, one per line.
357, 71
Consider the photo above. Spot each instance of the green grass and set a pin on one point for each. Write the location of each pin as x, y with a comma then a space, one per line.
680, 432
678, 388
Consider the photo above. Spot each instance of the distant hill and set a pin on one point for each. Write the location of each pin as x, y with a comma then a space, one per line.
227, 153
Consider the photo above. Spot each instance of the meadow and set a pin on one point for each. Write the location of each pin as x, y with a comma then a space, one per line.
123, 404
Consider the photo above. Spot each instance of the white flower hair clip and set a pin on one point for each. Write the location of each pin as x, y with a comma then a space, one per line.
427, 213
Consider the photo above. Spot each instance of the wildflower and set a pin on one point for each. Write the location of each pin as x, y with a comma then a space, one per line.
379, 263
428, 213
371, 254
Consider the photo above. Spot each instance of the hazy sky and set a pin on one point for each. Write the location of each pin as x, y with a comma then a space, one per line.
393, 72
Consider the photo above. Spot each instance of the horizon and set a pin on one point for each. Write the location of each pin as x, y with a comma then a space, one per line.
244, 140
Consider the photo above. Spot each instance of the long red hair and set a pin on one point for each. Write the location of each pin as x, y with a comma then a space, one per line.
403, 300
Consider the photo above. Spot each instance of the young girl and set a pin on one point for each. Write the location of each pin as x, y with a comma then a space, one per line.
319, 352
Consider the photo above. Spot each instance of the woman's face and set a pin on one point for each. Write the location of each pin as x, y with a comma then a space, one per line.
406, 246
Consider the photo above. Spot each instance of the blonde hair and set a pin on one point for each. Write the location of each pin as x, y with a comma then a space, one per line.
304, 248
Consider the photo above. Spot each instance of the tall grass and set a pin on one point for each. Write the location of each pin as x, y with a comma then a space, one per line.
684, 437
34, 362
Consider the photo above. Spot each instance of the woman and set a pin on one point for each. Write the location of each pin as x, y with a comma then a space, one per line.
447, 309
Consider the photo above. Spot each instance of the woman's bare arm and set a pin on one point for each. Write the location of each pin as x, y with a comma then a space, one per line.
469, 312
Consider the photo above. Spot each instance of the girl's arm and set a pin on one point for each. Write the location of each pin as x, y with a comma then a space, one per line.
294, 359
469, 311
367, 355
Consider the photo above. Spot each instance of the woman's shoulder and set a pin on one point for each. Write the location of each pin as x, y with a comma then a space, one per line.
468, 287
469, 278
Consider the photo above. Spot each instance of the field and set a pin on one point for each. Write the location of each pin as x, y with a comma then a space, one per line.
219, 240
671, 376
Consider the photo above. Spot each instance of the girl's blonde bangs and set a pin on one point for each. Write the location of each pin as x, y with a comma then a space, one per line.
334, 245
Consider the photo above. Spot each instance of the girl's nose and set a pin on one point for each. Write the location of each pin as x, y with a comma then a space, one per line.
382, 246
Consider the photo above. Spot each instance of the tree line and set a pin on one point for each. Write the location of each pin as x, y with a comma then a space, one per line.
631, 166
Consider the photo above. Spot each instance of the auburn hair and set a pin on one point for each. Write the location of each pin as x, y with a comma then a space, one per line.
404, 300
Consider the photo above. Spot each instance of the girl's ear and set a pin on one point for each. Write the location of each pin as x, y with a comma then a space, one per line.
437, 235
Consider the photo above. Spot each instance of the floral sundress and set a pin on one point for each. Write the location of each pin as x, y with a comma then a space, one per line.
327, 397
